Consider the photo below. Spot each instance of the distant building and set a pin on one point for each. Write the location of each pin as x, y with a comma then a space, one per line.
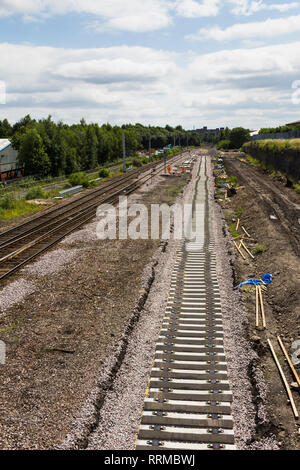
205, 130
296, 123
9, 167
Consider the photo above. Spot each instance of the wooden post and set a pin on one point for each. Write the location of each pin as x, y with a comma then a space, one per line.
243, 228
245, 248
289, 360
242, 255
256, 306
262, 307
287, 387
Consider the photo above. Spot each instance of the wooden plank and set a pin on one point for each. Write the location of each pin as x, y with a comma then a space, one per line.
287, 387
289, 360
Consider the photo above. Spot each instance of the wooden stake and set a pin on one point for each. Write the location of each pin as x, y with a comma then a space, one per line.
243, 228
237, 225
249, 252
287, 387
256, 306
243, 237
262, 307
289, 360
242, 255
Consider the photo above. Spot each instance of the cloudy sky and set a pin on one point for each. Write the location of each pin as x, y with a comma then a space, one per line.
189, 62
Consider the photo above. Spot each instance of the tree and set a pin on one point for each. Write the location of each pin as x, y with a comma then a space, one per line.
32, 154
238, 137
5, 129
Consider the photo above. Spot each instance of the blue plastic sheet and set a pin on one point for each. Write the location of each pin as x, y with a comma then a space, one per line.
266, 279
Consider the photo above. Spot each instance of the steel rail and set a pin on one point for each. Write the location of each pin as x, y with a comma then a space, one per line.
82, 217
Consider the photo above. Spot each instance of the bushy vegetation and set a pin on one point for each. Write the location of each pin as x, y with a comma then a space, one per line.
228, 138
259, 248
104, 173
137, 163
274, 130
279, 155
79, 179
36, 193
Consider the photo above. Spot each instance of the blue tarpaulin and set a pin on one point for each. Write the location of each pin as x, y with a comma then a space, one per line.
266, 279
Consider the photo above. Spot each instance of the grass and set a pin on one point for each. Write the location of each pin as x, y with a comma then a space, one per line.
11, 208
232, 180
259, 248
174, 191
253, 161
232, 230
239, 212
296, 187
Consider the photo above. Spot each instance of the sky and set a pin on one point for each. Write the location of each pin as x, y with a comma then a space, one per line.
190, 62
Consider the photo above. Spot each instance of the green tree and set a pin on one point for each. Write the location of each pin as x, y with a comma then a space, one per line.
5, 129
238, 137
32, 154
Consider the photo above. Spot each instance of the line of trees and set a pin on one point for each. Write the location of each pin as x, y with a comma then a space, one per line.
275, 130
228, 138
49, 148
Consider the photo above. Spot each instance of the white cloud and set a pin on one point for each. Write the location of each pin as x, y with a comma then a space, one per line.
138, 84
132, 15
268, 61
257, 30
196, 9
249, 7
246, 7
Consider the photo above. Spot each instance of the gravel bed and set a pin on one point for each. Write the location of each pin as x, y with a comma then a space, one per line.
15, 293
52, 262
87, 234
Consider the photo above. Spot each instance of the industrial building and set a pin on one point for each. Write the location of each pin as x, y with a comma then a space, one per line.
205, 130
9, 167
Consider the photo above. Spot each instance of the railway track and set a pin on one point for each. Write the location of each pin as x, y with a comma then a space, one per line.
188, 399
23, 243
274, 199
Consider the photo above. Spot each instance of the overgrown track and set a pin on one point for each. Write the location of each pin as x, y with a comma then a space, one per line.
22, 243
188, 400
274, 199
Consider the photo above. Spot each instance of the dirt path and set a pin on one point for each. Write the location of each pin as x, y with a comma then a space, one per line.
278, 200
258, 198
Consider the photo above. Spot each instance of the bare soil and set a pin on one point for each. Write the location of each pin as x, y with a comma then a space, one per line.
258, 198
58, 337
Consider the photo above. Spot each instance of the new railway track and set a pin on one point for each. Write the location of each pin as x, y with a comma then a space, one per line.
23, 243
188, 399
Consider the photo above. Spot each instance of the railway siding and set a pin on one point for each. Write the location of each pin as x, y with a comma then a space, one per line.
188, 399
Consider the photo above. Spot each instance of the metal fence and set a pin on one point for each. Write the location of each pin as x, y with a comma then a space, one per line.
278, 135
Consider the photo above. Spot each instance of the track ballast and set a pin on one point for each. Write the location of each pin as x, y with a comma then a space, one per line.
188, 400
